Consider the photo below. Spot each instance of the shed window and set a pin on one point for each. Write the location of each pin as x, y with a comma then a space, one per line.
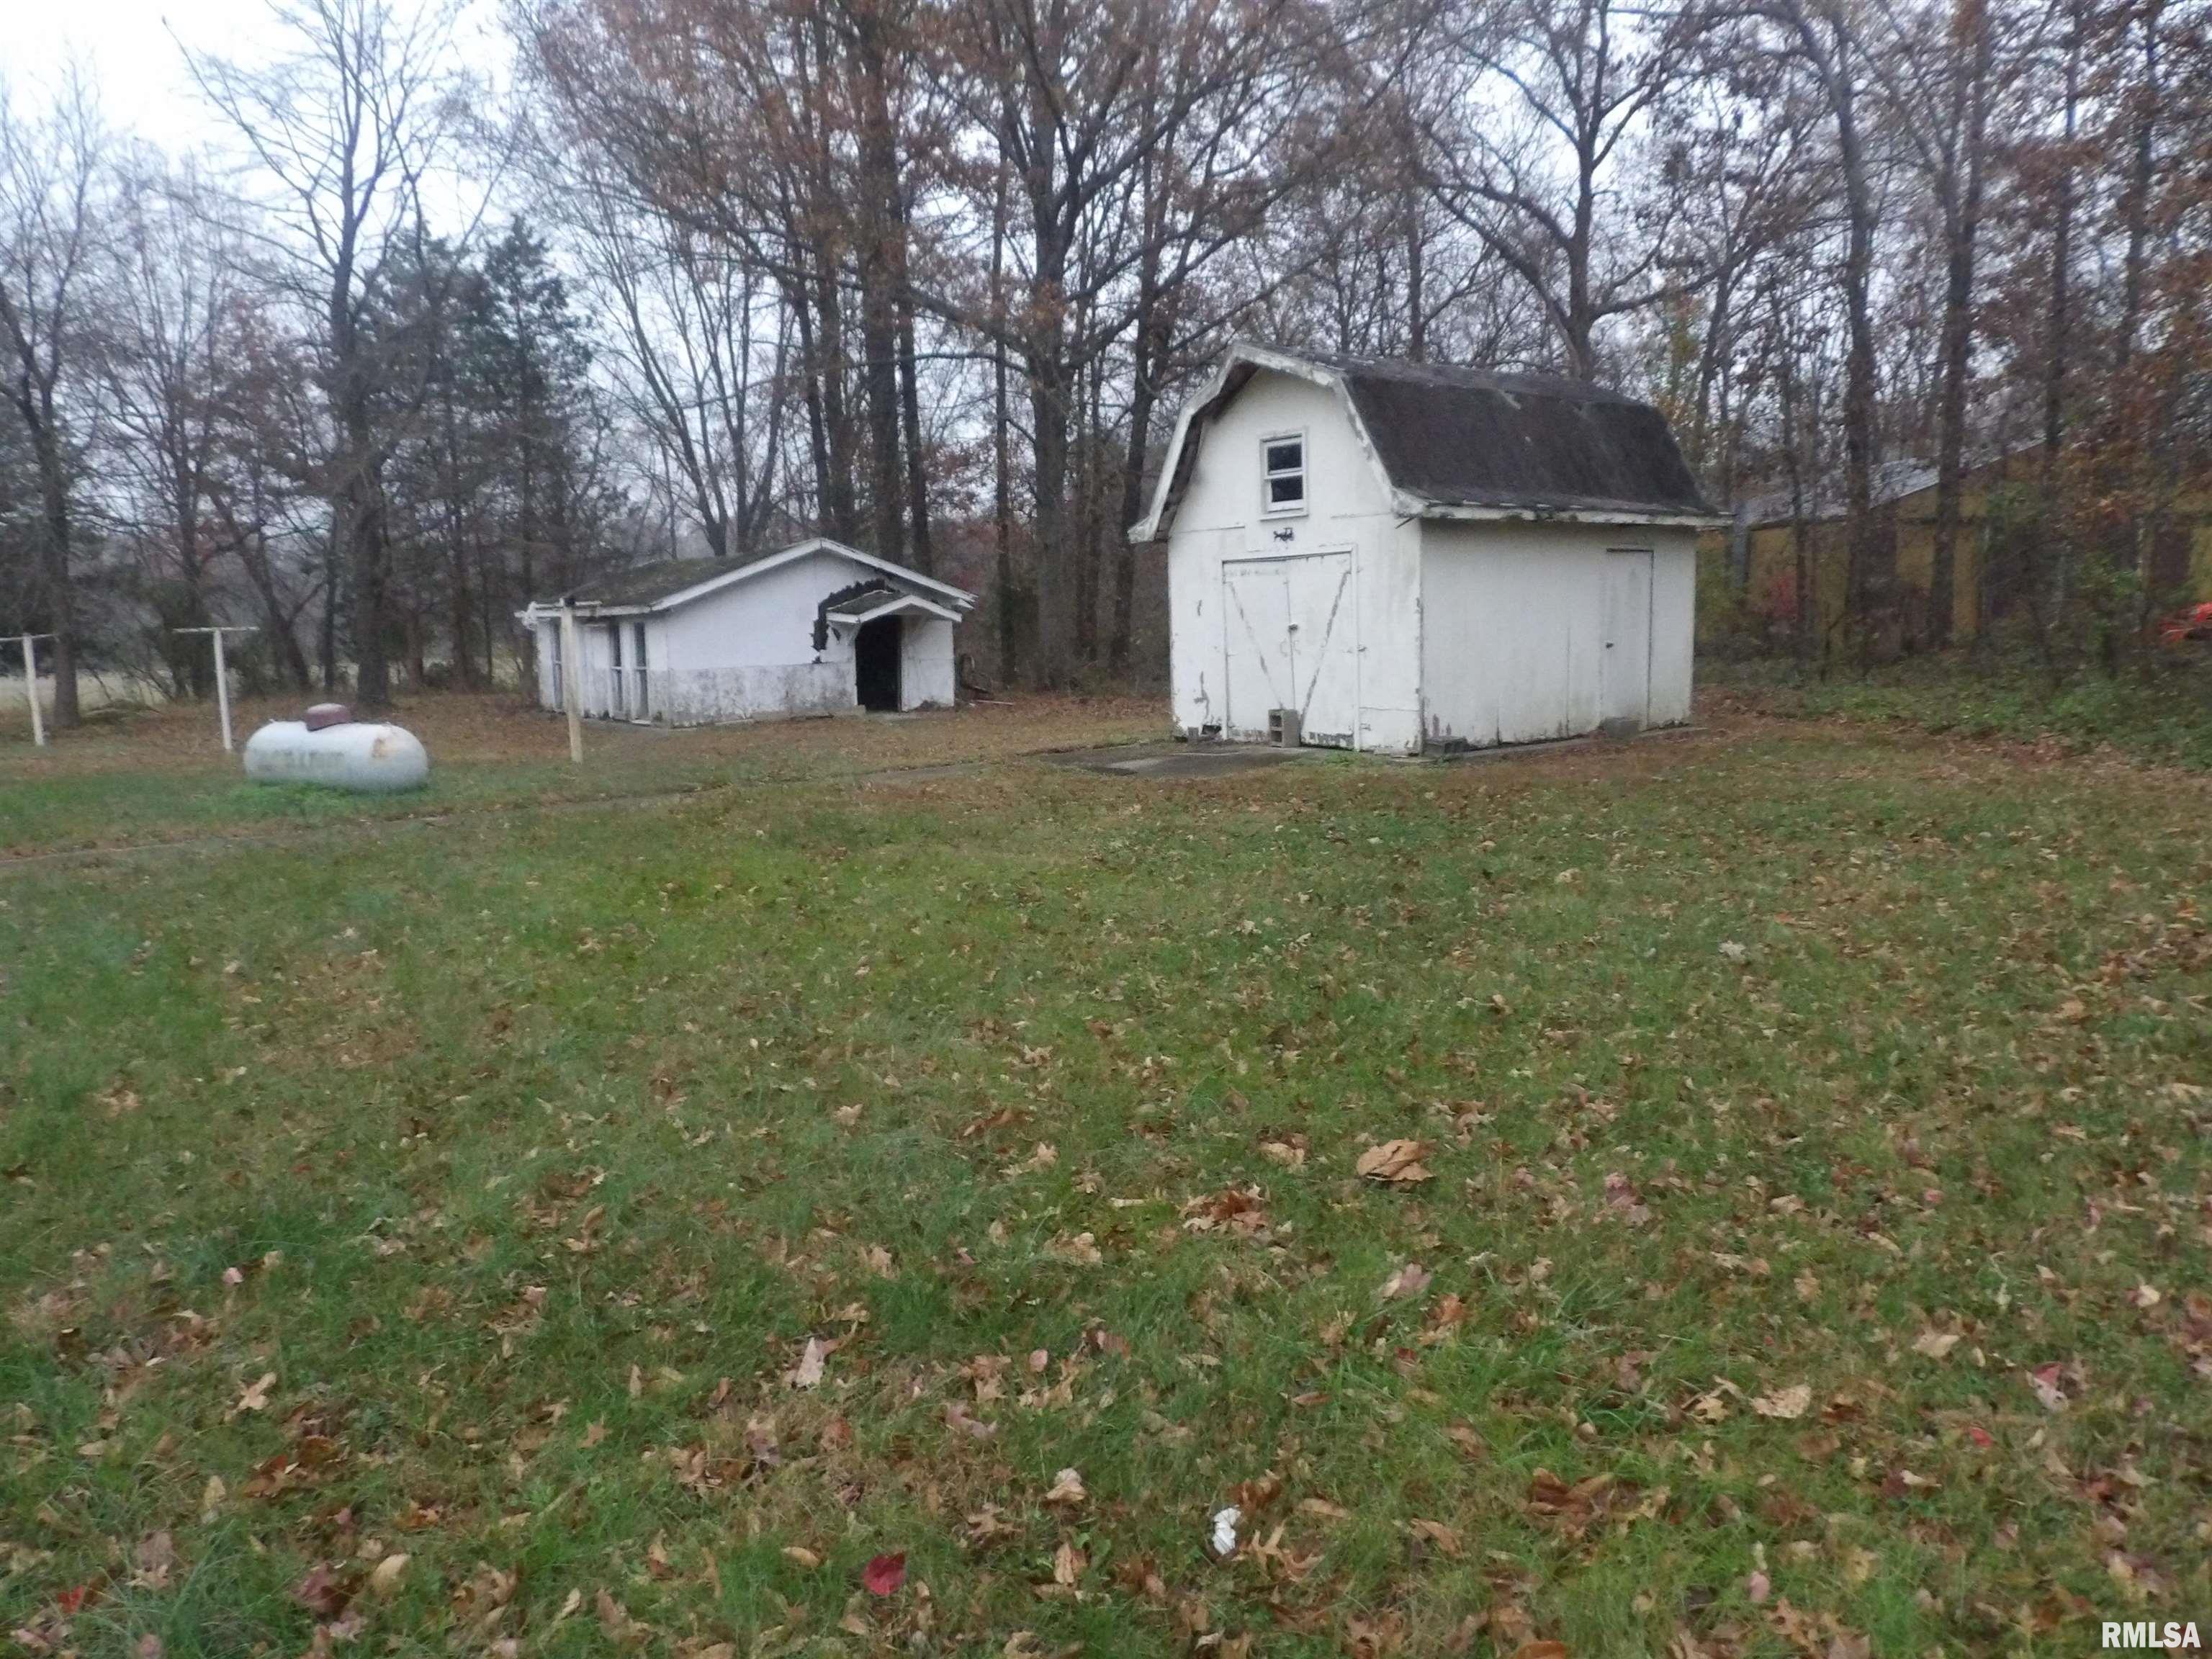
1283, 462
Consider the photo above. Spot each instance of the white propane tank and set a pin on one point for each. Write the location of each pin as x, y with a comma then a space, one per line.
358, 754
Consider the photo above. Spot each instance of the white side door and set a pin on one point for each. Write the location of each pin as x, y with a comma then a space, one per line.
1624, 682
1255, 622
1291, 642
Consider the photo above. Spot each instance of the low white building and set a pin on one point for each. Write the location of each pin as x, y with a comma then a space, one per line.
1408, 557
813, 630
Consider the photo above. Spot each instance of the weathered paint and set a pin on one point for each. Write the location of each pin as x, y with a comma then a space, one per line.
926, 664
747, 651
1516, 622
1464, 631
364, 756
1348, 515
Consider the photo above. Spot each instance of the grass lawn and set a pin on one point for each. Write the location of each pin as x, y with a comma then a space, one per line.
612, 1229
2160, 711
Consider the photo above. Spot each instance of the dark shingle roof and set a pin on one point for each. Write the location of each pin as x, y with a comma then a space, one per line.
649, 584
1466, 437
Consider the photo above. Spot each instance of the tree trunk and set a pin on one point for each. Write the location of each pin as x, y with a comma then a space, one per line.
878, 224
1002, 504
2057, 353
1962, 227
1860, 367
924, 557
2135, 200
54, 566
1055, 596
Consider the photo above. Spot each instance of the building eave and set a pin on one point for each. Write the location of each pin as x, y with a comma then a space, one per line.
1410, 506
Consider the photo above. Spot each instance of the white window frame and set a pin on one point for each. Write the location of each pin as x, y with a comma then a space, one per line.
1268, 508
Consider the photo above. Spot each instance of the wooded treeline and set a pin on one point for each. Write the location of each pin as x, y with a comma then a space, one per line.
417, 338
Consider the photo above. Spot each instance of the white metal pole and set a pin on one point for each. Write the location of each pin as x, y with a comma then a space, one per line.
572, 683
222, 691
31, 686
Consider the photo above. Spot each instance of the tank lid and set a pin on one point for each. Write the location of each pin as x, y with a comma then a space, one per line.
326, 714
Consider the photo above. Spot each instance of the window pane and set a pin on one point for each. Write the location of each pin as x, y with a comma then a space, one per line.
1285, 457
1285, 492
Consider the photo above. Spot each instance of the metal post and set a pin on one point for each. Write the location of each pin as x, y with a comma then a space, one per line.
221, 675
572, 683
31, 686
222, 691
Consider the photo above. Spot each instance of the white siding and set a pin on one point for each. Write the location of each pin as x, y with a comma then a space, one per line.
746, 651
926, 665
549, 689
1512, 628
1348, 509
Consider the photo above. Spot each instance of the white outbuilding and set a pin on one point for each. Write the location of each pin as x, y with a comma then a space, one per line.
818, 629
1409, 557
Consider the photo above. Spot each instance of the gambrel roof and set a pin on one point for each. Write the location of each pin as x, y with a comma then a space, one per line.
671, 582
1453, 442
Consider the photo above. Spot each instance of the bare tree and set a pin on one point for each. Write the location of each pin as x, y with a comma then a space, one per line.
51, 200
1821, 37
346, 131
1936, 76
1549, 95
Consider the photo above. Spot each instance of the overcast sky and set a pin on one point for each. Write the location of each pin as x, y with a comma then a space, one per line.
131, 49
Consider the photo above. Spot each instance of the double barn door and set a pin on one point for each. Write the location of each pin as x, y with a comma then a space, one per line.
1291, 644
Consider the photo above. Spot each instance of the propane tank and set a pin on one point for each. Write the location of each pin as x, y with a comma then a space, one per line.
331, 747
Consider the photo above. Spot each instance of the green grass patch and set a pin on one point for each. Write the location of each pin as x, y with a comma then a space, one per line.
644, 1216
2161, 713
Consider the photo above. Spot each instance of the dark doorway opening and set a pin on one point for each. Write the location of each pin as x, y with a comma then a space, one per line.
876, 664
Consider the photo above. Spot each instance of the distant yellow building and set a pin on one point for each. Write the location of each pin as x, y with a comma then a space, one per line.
1761, 549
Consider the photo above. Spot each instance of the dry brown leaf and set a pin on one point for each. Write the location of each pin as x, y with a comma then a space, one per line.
1409, 1281
1067, 1564
807, 1374
1787, 1404
1439, 1534
387, 1576
1395, 1162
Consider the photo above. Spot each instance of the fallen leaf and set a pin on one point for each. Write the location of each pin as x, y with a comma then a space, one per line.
389, 1571
808, 1372
1936, 1345
1067, 1564
1784, 1403
256, 1397
885, 1574
804, 1557
1409, 1280
1395, 1162
157, 1558
2044, 1379
321, 1593
1439, 1534
1757, 1588
1066, 1488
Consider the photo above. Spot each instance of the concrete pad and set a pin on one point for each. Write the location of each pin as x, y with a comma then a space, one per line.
1179, 760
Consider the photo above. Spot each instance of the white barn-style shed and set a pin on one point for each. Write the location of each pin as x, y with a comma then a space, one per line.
818, 629
1409, 557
